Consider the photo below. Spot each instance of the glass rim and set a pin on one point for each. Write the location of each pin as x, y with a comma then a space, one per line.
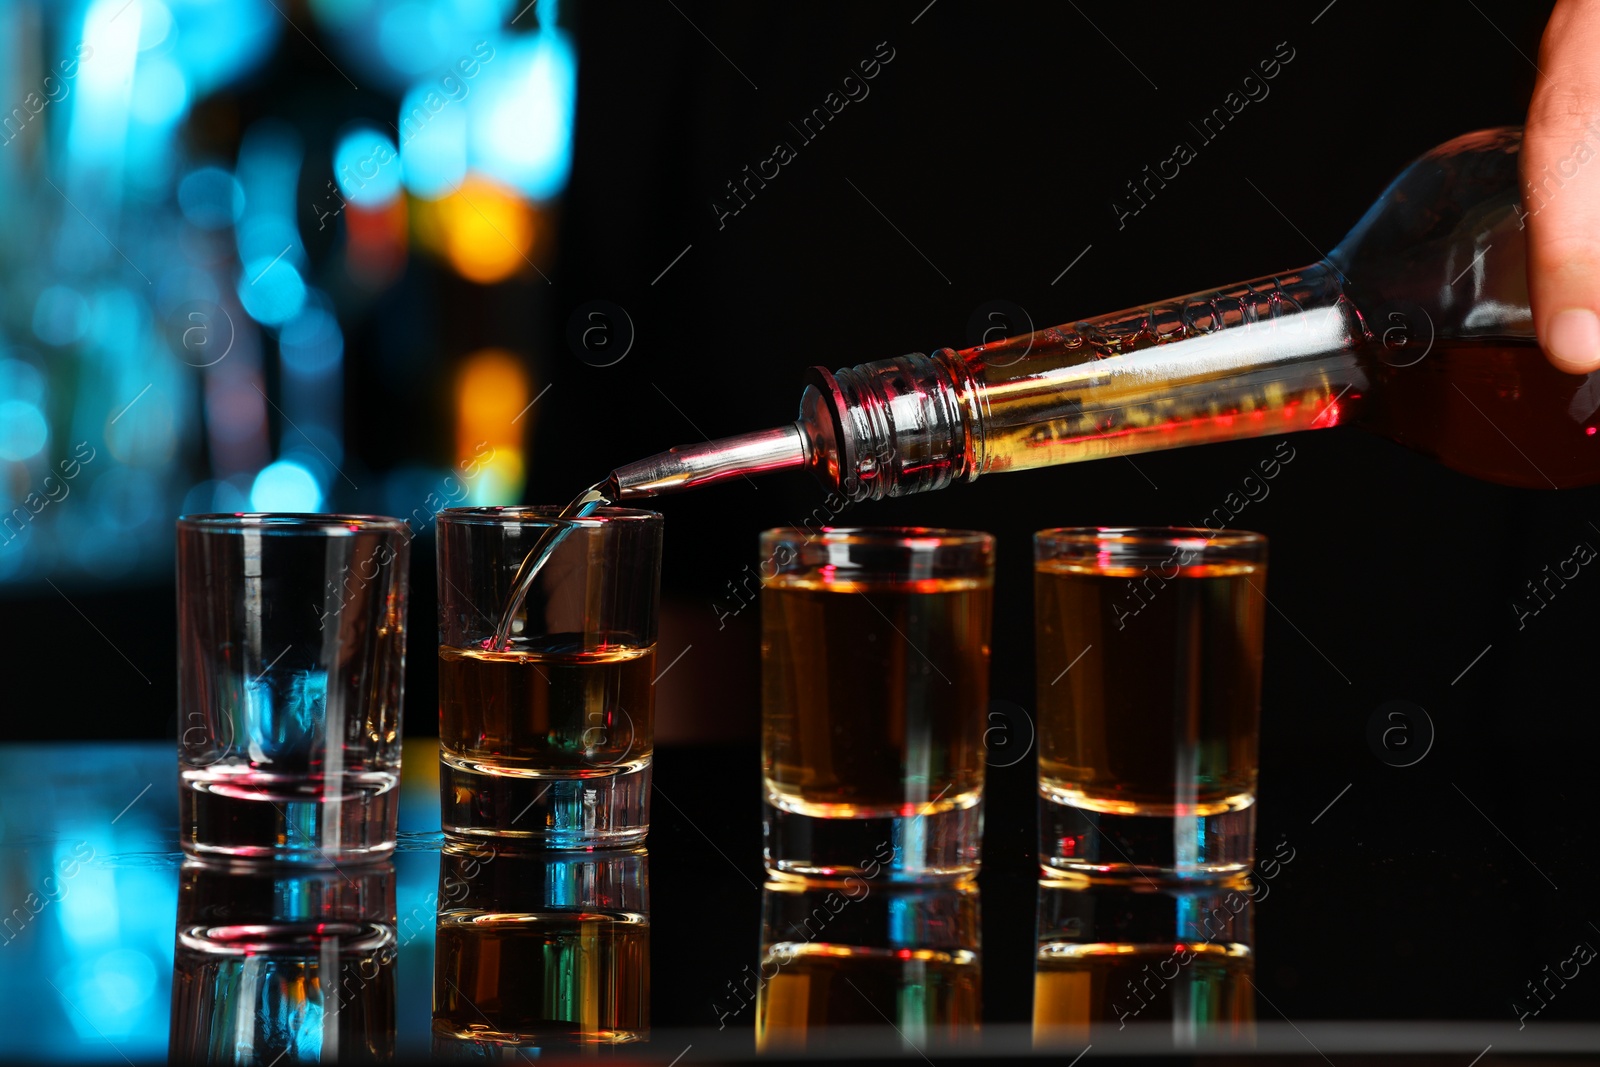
328, 524
1149, 536
542, 516
911, 537
1124, 545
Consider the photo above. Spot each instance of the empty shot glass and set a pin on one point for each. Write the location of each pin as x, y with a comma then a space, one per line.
547, 700
875, 683
1149, 685
291, 657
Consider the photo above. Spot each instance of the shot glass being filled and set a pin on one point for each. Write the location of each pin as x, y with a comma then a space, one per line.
547, 650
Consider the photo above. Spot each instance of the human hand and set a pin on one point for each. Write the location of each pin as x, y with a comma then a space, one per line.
1561, 188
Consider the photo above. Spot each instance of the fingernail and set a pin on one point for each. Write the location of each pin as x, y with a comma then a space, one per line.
1574, 337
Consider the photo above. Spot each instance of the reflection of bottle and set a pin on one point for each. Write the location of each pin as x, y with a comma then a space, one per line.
1111, 956
1416, 326
540, 950
856, 953
276, 966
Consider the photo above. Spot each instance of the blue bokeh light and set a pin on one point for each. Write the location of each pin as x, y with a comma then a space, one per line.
413, 36
180, 284
160, 92
218, 42
268, 169
155, 23
60, 316
433, 142
366, 165
263, 236
521, 121
311, 344
21, 381
23, 430
115, 315
211, 198
272, 291
395, 43
285, 486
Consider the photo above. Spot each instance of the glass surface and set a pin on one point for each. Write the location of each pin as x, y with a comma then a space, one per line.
291, 663
892, 964
548, 735
875, 681
1149, 687
1120, 954
274, 964
540, 952
1396, 869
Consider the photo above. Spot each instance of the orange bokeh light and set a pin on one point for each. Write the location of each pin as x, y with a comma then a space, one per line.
491, 400
484, 230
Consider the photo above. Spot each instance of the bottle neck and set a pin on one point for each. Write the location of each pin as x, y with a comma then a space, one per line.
1273, 355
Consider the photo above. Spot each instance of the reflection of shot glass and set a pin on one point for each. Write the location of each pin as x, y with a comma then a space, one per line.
291, 656
1125, 954
284, 964
863, 958
1149, 681
875, 676
548, 734
540, 952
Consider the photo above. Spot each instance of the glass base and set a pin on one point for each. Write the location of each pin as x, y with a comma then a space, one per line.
288, 820
940, 846
1159, 846
603, 811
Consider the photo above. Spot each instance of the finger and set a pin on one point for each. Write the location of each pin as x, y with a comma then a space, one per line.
1561, 188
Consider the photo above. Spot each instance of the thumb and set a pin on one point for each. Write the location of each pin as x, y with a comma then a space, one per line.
1561, 188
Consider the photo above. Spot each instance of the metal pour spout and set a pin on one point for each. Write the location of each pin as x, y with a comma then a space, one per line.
688, 466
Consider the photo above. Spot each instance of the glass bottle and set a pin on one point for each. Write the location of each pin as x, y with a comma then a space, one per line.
1416, 326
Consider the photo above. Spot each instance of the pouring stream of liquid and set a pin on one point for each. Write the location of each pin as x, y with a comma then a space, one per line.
586, 503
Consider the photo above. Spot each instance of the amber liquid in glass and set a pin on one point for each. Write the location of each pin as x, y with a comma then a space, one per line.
549, 979
923, 992
1149, 682
531, 710
1080, 989
874, 695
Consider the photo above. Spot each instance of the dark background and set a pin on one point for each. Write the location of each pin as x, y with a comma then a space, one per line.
995, 142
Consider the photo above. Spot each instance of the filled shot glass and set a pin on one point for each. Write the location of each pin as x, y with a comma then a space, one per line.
546, 689
875, 682
291, 660
1149, 682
